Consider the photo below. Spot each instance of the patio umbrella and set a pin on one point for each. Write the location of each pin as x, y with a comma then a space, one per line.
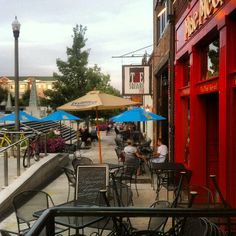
60, 115
97, 100
23, 117
136, 114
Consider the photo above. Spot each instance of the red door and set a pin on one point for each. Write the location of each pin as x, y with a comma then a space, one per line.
212, 134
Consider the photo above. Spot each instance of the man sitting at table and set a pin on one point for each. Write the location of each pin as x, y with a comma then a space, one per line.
161, 154
132, 156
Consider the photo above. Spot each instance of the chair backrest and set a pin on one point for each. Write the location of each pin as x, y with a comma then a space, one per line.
204, 197
122, 195
81, 161
116, 130
120, 154
7, 233
131, 160
26, 204
158, 223
194, 227
70, 174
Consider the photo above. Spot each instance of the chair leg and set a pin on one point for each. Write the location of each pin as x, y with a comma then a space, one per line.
136, 187
68, 195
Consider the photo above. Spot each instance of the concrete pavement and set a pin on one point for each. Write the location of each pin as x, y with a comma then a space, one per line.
58, 188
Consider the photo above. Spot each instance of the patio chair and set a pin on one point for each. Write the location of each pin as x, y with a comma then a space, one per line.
81, 161
70, 174
4, 232
26, 204
127, 175
115, 225
158, 223
229, 222
120, 194
120, 155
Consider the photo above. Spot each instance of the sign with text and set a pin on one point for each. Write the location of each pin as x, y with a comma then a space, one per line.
136, 80
90, 180
195, 18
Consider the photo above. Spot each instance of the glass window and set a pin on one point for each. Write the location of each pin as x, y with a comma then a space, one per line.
210, 60
186, 72
161, 21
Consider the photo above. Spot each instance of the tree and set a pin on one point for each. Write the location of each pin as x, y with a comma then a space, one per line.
76, 78
214, 58
24, 101
3, 94
72, 78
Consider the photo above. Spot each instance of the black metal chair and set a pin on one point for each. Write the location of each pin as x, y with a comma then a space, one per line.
119, 194
120, 155
4, 232
114, 225
127, 175
70, 174
26, 204
81, 161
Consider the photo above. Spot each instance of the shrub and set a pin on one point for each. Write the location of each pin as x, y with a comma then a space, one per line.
54, 145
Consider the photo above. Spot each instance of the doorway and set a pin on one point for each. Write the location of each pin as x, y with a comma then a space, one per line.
212, 135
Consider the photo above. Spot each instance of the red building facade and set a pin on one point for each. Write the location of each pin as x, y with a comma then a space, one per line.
205, 93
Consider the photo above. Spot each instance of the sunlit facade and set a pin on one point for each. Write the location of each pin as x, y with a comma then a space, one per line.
42, 84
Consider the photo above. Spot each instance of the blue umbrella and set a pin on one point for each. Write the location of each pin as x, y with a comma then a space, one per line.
60, 115
136, 114
23, 117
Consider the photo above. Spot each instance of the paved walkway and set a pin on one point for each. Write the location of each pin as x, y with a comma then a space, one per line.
59, 194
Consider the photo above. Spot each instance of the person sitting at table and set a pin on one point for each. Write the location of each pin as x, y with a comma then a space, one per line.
132, 156
93, 134
161, 154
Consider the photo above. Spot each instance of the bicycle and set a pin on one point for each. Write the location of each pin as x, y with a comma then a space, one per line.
32, 151
5, 139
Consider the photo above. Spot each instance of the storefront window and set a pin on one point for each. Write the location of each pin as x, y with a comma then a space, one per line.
210, 60
186, 72
187, 132
161, 21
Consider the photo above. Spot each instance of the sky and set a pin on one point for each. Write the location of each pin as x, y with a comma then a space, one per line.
114, 28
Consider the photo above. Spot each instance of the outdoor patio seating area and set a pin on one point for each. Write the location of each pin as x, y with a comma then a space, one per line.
86, 185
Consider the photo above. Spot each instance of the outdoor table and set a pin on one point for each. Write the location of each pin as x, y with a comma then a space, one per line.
165, 173
75, 222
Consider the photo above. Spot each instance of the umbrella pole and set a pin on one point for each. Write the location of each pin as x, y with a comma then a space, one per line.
70, 133
99, 140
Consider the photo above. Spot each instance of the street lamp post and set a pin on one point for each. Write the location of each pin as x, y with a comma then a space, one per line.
16, 33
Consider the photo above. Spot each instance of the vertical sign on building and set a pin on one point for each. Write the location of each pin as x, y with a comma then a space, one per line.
136, 80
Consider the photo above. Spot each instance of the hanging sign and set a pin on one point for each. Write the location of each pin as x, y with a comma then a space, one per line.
136, 80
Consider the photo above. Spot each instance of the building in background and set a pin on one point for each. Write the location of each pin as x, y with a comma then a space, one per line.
42, 83
205, 93
163, 72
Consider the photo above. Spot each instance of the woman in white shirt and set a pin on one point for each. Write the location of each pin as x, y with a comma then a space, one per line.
162, 152
133, 156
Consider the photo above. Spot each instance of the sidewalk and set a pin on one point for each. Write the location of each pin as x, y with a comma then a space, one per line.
59, 195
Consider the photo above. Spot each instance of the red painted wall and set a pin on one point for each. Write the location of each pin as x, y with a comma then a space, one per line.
212, 102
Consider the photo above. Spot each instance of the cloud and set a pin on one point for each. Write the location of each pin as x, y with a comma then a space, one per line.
113, 28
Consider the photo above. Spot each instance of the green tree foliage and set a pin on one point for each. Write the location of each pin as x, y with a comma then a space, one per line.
24, 101
3, 94
214, 58
75, 78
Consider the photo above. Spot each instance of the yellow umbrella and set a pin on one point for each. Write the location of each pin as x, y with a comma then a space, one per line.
97, 100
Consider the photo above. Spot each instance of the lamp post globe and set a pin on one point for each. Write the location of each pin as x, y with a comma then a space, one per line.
16, 27
16, 33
